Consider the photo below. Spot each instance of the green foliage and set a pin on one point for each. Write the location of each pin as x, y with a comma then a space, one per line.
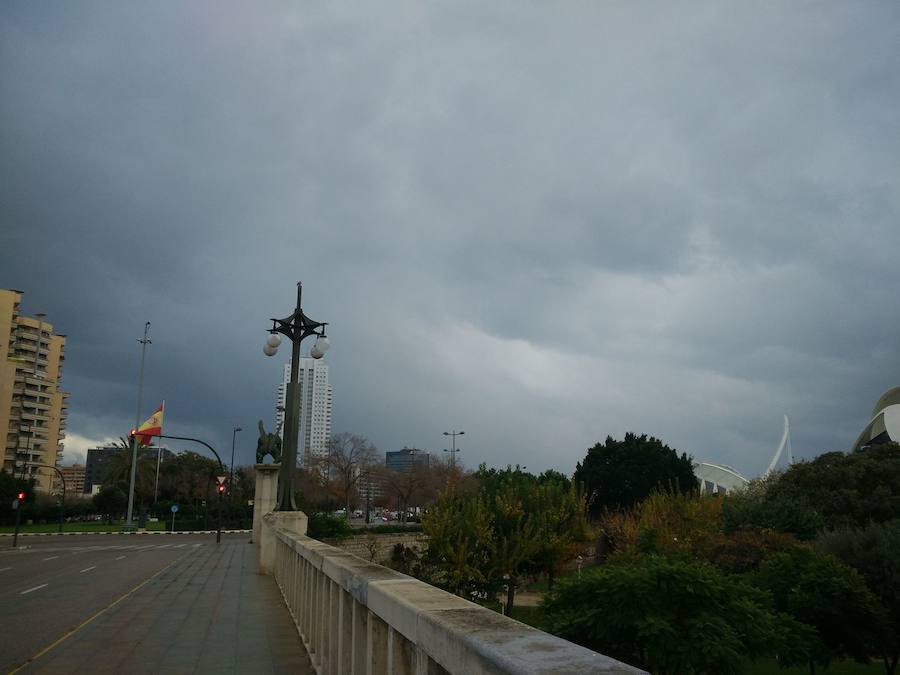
672, 617
846, 488
759, 507
821, 591
327, 526
518, 524
619, 474
874, 552
111, 502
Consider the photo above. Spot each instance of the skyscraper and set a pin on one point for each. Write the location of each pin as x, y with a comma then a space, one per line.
32, 406
314, 429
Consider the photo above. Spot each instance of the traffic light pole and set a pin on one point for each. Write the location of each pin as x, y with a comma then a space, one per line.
18, 506
221, 468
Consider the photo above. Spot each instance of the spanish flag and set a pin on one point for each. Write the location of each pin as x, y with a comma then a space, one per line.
152, 427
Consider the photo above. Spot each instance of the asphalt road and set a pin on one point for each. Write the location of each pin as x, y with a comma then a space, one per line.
52, 586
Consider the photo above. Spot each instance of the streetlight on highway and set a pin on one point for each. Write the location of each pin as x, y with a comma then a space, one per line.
453, 450
295, 328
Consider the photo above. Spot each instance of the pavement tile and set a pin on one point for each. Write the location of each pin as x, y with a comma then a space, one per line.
211, 612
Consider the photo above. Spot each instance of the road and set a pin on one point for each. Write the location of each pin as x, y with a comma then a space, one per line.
141, 603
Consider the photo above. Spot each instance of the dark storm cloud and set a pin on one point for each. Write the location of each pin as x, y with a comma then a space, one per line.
539, 224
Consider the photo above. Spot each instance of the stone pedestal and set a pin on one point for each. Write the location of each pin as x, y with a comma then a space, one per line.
294, 522
264, 496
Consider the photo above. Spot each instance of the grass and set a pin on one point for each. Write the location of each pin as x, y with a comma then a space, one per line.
770, 667
91, 526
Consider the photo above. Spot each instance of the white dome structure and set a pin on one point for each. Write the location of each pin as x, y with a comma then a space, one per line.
884, 427
718, 478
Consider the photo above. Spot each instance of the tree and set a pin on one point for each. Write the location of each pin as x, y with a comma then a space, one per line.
407, 486
821, 591
619, 474
672, 617
110, 501
117, 471
484, 542
348, 457
874, 552
759, 507
846, 488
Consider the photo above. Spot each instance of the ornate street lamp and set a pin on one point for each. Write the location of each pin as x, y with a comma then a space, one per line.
295, 328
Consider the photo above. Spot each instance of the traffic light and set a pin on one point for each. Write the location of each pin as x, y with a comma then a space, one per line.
221, 488
20, 495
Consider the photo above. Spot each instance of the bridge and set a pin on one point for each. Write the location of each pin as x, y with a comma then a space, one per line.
183, 603
359, 617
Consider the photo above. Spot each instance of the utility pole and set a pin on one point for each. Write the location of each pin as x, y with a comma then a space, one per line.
453, 451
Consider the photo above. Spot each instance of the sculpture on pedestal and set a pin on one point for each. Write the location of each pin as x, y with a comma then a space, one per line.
268, 444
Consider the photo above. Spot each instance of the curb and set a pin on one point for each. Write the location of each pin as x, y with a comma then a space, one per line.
68, 534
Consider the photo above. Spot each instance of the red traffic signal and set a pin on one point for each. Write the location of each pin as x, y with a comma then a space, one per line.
20, 495
221, 489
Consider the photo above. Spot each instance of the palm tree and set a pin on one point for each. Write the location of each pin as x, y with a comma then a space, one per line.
118, 470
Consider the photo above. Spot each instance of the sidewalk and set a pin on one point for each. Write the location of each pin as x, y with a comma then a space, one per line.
208, 612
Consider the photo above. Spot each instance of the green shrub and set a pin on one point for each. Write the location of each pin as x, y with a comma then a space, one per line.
326, 526
672, 617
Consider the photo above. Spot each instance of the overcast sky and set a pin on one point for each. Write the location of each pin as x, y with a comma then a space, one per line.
542, 223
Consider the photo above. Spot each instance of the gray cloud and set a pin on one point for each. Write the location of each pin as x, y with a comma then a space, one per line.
540, 224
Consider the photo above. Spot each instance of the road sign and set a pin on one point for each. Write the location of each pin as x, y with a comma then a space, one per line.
221, 479
174, 508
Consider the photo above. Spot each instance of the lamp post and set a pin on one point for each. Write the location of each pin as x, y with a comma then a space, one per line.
231, 479
295, 328
453, 450
129, 524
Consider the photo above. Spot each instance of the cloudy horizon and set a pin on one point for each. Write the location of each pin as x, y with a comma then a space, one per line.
542, 224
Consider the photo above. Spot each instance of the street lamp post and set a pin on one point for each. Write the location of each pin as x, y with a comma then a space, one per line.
231, 478
453, 450
295, 328
129, 523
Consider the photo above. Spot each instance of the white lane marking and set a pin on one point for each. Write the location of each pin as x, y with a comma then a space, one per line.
52, 557
3, 569
179, 546
196, 545
32, 589
88, 569
144, 548
120, 557
163, 545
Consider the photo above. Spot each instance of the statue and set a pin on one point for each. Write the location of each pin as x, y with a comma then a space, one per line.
268, 444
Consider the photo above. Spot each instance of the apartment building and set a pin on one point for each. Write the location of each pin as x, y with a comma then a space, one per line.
314, 429
32, 405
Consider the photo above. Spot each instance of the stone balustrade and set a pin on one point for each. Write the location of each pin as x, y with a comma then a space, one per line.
359, 618
362, 618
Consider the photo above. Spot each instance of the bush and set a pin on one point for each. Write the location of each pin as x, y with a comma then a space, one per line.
672, 617
821, 591
326, 526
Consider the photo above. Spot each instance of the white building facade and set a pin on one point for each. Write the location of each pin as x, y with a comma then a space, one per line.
314, 429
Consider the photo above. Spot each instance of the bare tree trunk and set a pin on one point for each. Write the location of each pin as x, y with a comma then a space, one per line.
812, 667
510, 596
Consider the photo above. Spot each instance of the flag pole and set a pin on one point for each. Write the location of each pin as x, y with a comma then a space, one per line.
162, 421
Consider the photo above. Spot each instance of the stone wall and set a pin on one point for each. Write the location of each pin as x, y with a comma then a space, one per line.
359, 544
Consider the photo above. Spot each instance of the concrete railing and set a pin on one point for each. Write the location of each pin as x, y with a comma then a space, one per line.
362, 618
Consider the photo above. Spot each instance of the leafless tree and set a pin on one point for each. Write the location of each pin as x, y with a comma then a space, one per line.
349, 457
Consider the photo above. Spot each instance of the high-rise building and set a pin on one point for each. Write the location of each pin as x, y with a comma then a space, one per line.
97, 458
32, 406
314, 429
74, 477
406, 459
